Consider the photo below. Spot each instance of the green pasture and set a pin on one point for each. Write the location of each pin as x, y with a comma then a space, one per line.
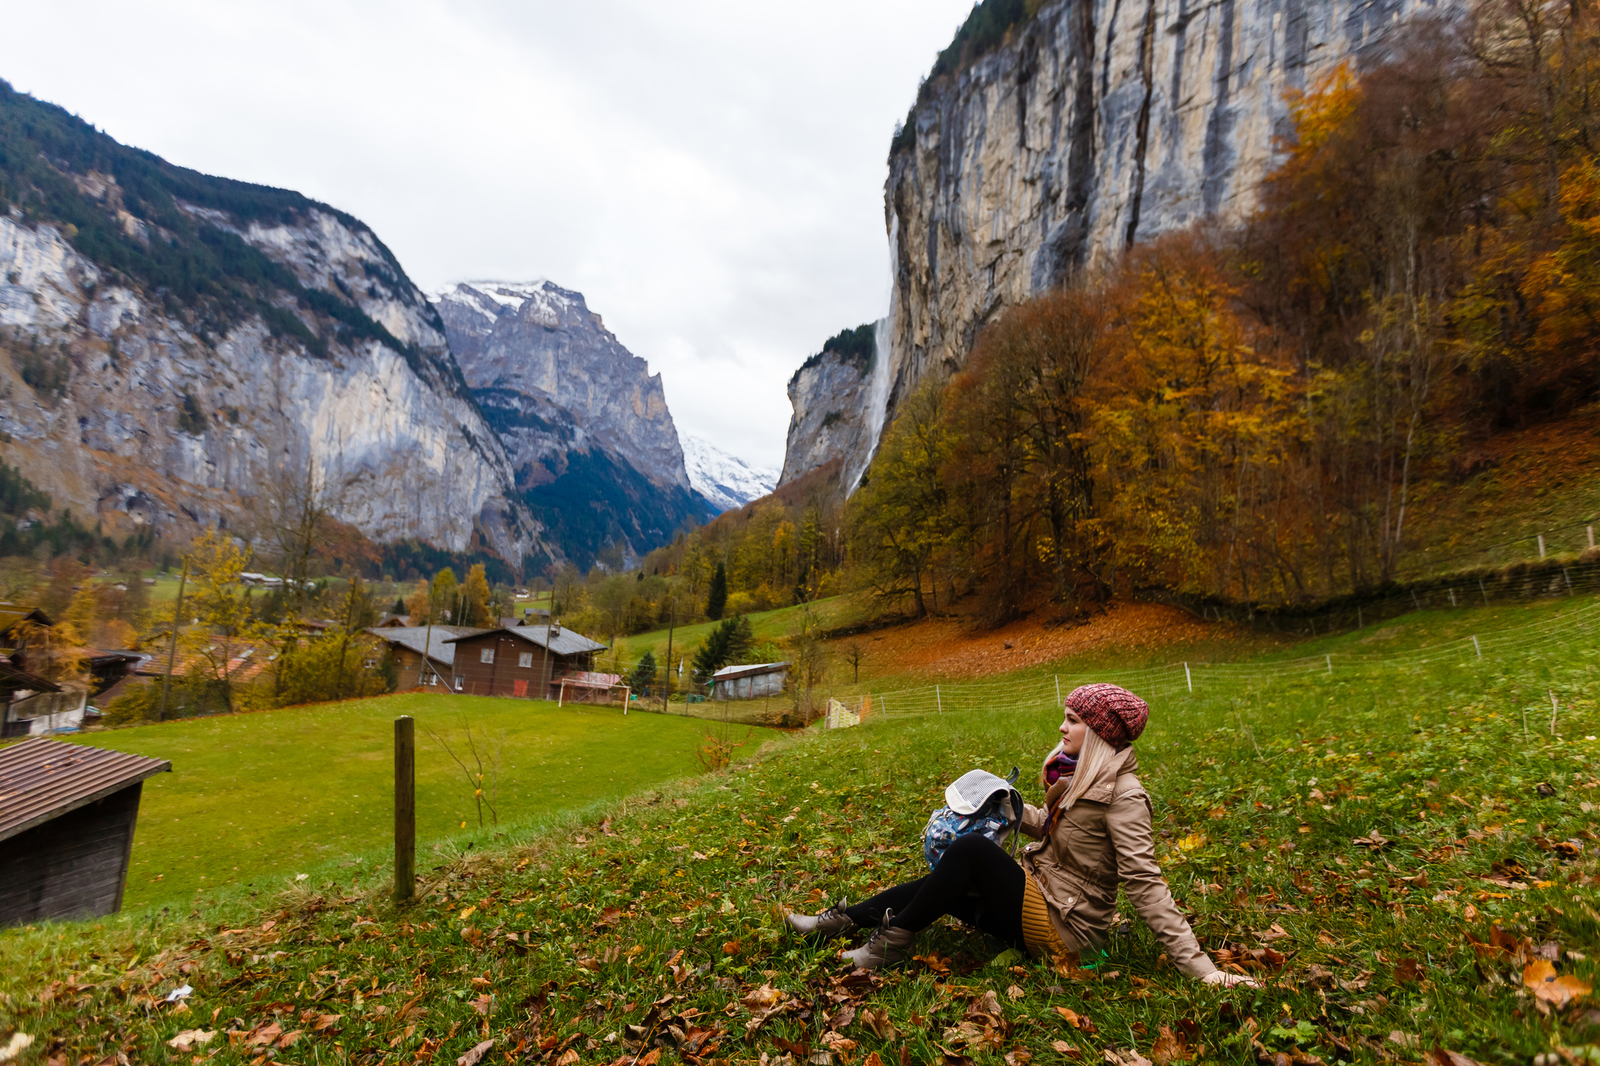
255, 799
775, 625
1385, 848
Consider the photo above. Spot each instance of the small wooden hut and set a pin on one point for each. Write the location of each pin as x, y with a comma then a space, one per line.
749, 682
67, 814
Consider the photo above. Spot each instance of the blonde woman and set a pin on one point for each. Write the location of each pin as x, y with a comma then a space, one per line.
1093, 835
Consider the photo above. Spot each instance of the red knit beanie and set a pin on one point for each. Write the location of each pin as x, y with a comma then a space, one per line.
1114, 713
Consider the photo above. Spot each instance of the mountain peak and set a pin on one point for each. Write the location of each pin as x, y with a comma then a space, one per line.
723, 479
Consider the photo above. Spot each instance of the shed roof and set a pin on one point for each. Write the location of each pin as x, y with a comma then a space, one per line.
561, 642
42, 779
728, 673
414, 637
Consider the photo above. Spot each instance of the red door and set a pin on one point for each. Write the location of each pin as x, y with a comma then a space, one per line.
519, 688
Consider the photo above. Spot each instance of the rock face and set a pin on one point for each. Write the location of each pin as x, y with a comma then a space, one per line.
594, 449
839, 396
833, 416
726, 481
139, 393
528, 345
1097, 123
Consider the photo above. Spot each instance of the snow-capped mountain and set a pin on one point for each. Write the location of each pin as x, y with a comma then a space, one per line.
726, 481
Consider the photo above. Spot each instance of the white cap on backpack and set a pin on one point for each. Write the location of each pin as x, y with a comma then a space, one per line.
969, 792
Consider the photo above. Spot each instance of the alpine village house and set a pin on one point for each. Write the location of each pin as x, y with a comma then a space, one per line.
518, 658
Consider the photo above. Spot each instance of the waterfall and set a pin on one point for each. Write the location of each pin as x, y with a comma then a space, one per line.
878, 387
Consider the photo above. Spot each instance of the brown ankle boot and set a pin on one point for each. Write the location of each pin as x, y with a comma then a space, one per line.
887, 946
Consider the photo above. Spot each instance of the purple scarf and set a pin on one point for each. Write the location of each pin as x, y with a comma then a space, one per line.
1063, 765
1061, 768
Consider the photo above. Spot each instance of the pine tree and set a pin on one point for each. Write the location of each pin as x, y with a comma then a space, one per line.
717, 599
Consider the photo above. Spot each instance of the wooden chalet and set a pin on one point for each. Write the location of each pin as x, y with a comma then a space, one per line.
524, 661
422, 653
29, 703
67, 815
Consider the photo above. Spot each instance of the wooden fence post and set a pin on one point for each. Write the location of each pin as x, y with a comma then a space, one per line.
405, 809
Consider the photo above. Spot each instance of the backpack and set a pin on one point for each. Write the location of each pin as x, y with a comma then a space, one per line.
976, 802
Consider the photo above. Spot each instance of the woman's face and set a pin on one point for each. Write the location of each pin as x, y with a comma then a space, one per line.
1072, 731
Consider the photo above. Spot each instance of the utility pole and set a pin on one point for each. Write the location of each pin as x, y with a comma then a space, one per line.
172, 649
544, 671
672, 618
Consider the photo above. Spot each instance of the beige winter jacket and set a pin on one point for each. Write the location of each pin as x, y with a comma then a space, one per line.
1105, 841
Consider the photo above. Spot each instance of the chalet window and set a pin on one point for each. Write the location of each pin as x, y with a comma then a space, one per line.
525, 659
458, 684
486, 655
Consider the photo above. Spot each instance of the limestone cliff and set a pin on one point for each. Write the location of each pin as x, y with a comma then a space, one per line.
838, 395
1091, 125
170, 343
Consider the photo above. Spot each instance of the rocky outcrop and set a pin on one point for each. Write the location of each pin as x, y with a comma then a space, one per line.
831, 397
1095, 124
183, 346
525, 345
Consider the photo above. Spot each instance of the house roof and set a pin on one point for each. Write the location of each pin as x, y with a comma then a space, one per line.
414, 637
12, 614
561, 641
728, 673
42, 779
245, 663
12, 678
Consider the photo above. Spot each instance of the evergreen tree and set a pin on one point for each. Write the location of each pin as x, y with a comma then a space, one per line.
644, 675
727, 643
717, 599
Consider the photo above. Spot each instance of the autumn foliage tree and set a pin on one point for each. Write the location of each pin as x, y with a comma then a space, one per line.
1249, 411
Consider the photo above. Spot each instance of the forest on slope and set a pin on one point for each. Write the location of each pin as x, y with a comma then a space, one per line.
1253, 411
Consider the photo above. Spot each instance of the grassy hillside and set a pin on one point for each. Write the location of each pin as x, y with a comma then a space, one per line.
775, 626
254, 799
1391, 850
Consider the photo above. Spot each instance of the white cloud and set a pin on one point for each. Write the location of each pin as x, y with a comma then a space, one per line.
709, 174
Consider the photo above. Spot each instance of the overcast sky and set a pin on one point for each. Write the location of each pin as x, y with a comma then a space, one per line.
709, 174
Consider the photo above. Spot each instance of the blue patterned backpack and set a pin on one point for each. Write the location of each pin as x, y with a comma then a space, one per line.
975, 802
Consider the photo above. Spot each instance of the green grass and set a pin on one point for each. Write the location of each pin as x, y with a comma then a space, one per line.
667, 916
254, 799
776, 625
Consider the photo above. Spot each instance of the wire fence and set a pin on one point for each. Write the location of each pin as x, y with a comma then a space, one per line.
1515, 583
1571, 628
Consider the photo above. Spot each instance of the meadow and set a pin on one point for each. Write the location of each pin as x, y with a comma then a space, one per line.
1401, 850
255, 799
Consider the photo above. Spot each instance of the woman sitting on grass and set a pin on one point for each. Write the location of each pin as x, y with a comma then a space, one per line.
1094, 836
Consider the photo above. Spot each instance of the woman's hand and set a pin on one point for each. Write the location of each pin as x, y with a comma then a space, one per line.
1228, 980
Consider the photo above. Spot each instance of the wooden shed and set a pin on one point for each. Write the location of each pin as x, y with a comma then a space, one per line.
749, 682
67, 814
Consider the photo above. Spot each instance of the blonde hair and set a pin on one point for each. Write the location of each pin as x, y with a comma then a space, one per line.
1092, 758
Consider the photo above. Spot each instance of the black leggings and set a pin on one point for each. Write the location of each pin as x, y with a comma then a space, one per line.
975, 881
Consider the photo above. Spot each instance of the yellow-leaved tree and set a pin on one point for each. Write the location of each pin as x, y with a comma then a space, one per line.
222, 635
